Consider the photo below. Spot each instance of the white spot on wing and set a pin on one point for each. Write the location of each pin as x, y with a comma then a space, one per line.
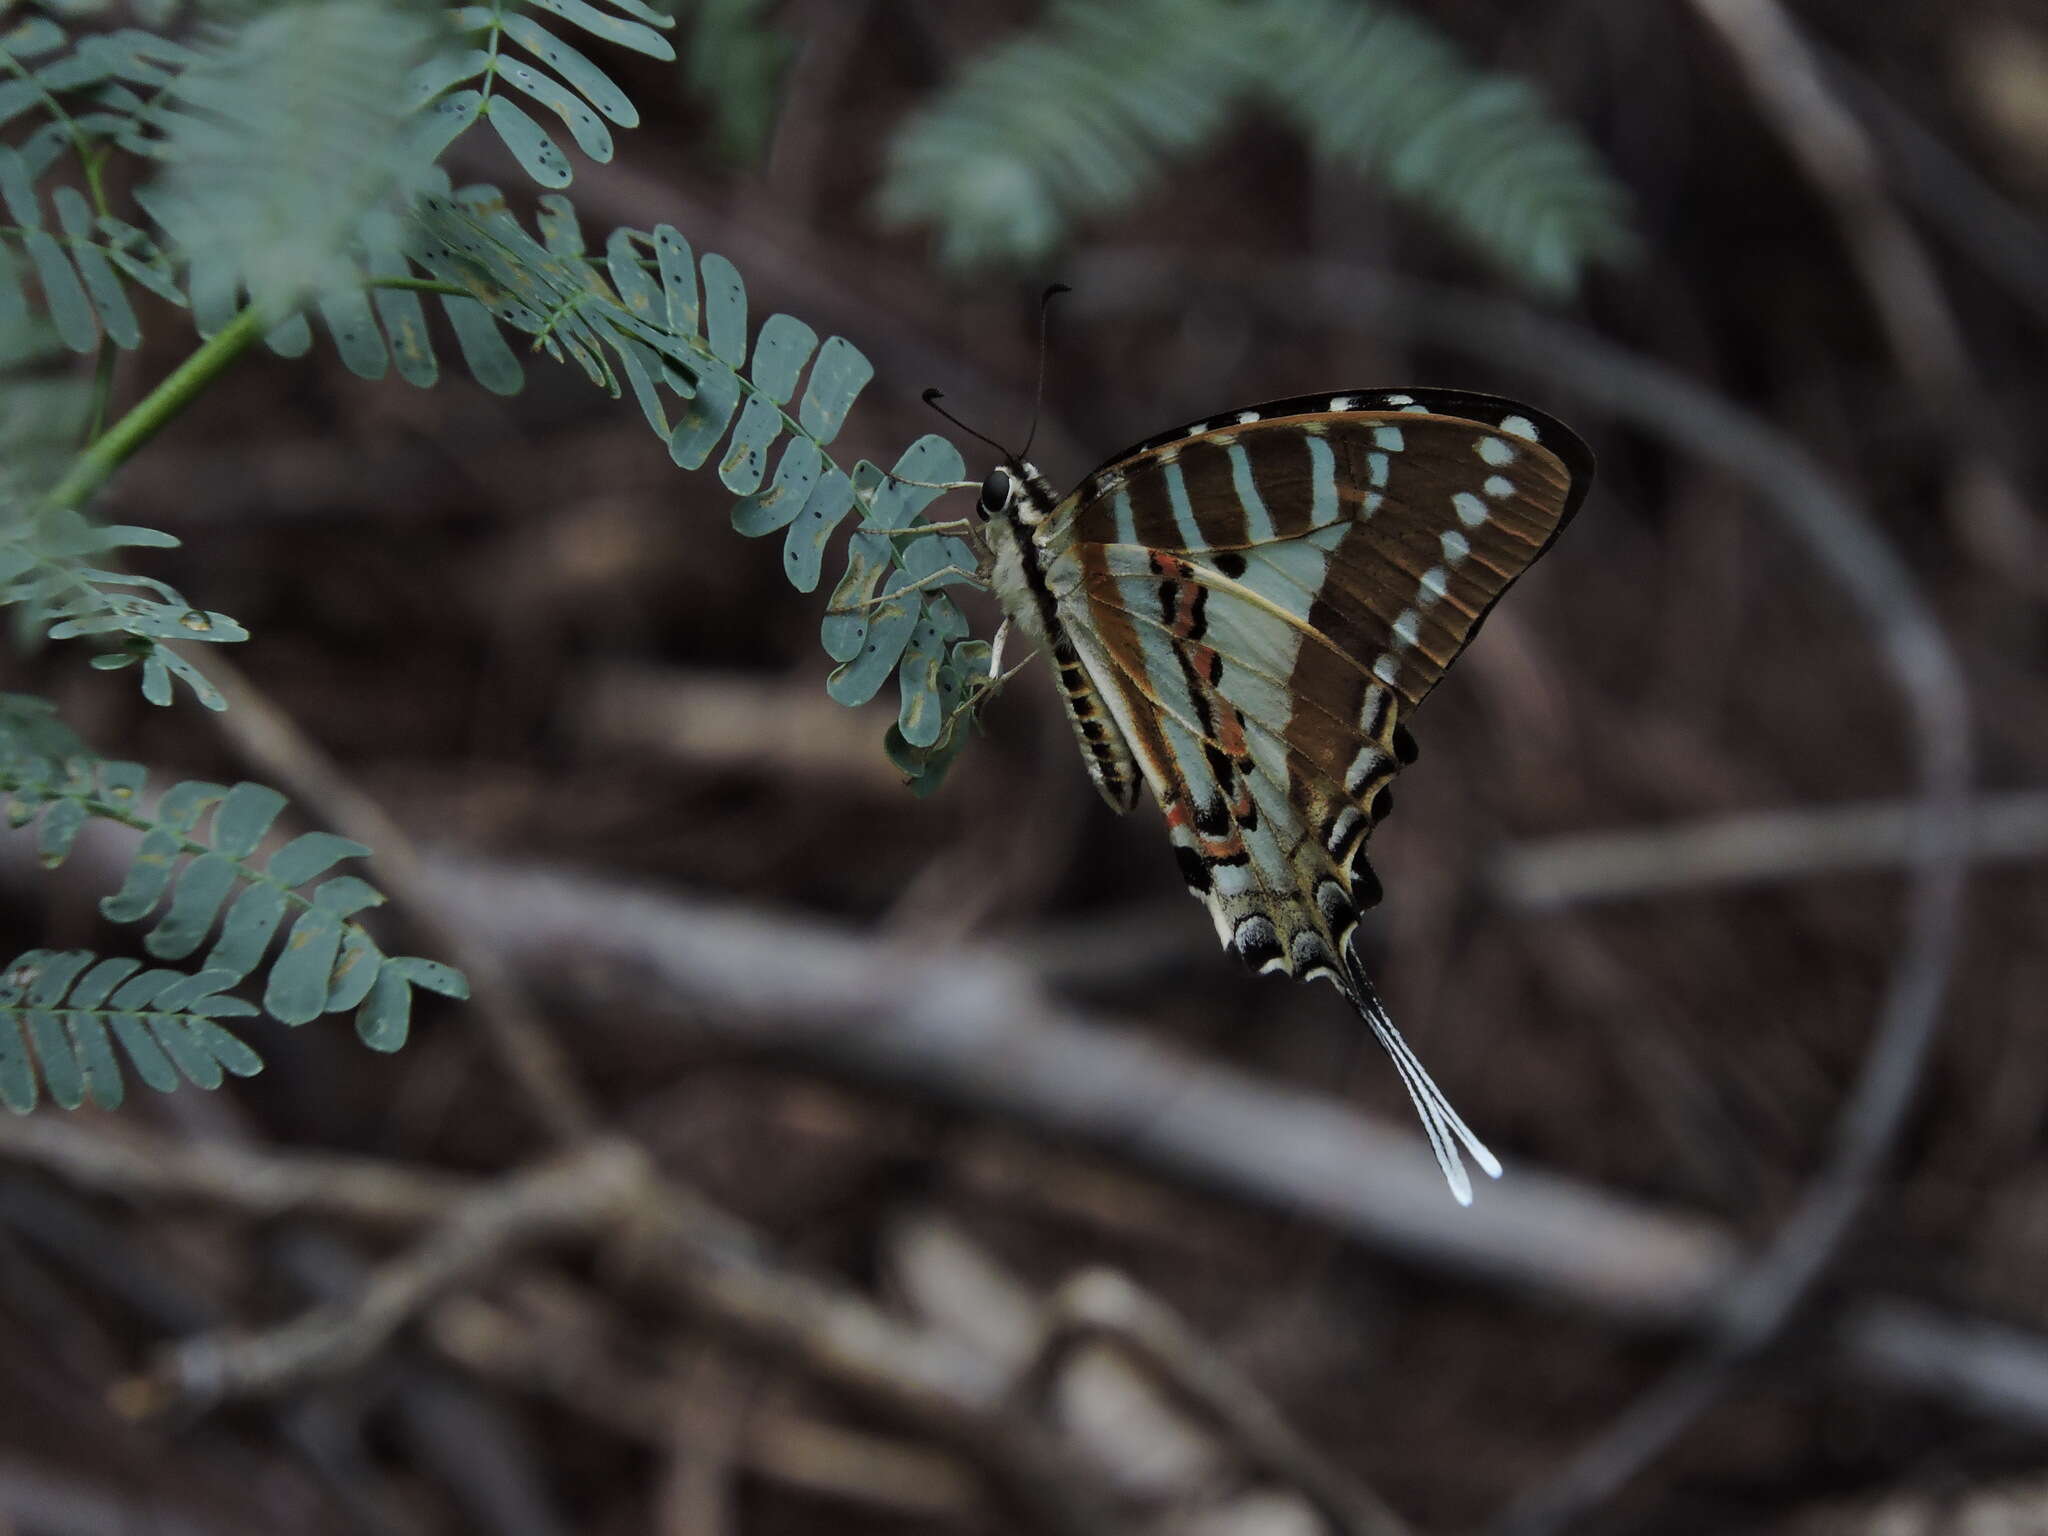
1245, 416
1497, 451
1322, 475
1519, 426
1471, 510
1342, 828
1400, 399
1369, 711
1456, 547
1498, 486
1196, 430
1362, 768
1377, 465
1389, 438
1406, 628
1183, 513
1436, 581
1386, 669
1372, 502
1258, 522
1344, 402
1231, 880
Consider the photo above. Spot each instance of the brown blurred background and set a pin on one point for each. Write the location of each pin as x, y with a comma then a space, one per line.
1652, 885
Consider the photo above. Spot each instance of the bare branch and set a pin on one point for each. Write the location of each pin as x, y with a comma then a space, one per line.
578, 1196
112, 1158
780, 981
1753, 846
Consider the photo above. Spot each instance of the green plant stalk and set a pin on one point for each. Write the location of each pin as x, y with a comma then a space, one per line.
155, 411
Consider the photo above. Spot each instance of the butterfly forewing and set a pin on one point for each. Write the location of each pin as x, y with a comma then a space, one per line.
1443, 497
1256, 602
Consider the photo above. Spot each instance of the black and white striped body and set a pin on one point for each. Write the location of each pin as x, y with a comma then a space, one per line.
1017, 576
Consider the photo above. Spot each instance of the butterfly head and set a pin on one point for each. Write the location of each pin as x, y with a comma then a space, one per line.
1015, 491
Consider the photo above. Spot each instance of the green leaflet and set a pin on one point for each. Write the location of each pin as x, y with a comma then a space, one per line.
779, 504
505, 47
538, 155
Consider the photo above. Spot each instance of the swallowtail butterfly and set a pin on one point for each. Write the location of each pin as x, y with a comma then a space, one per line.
1242, 614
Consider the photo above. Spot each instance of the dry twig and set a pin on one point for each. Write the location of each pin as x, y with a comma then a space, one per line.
975, 1030
1749, 847
581, 1195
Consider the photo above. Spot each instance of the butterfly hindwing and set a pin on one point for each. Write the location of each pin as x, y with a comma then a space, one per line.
1250, 819
1328, 756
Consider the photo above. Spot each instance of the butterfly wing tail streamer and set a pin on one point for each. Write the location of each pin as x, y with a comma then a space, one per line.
1446, 1129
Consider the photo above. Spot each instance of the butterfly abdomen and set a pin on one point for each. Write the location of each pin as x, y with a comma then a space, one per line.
1018, 578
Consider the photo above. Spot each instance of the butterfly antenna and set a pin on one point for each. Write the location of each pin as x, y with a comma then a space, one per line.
1044, 324
932, 397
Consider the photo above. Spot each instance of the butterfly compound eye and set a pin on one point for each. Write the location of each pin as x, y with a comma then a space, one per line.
997, 492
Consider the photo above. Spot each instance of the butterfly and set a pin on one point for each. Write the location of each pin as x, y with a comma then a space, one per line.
1242, 614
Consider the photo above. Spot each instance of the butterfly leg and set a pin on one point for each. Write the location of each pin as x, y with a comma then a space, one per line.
996, 675
957, 525
937, 578
979, 690
939, 485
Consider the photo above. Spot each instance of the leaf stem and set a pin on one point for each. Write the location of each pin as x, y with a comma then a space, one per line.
155, 411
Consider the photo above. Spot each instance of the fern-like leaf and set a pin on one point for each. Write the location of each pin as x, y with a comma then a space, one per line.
1067, 122
200, 871
53, 567
1081, 116
278, 139
490, 79
63, 1011
763, 407
301, 229
1380, 93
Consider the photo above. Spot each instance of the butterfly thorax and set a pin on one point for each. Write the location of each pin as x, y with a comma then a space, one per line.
1015, 501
